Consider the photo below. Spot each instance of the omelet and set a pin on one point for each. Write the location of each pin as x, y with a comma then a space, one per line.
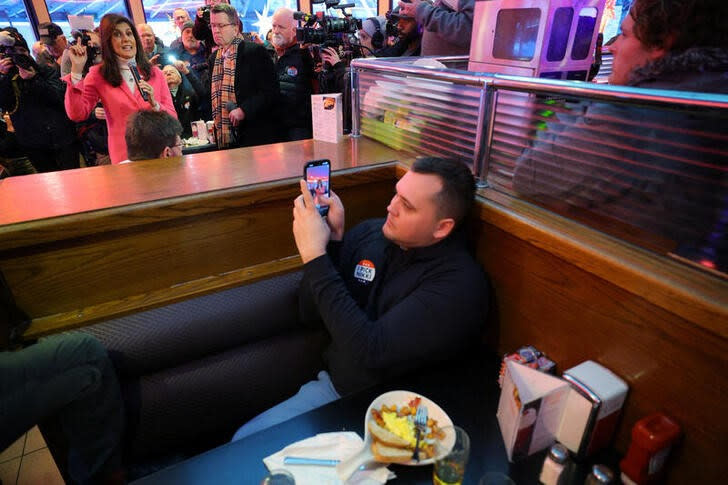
403, 426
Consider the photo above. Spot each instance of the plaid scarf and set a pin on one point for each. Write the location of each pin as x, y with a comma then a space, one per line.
223, 90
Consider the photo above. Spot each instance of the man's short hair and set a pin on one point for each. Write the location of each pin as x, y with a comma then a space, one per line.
149, 132
228, 10
458, 185
677, 25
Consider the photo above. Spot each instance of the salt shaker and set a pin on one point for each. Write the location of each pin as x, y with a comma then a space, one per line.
553, 465
600, 475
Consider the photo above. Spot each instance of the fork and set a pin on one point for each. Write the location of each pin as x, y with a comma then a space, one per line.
420, 426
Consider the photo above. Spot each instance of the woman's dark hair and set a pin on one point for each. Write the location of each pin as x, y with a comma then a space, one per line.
110, 65
677, 25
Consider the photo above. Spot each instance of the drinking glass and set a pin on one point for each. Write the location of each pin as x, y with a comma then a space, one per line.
450, 463
278, 477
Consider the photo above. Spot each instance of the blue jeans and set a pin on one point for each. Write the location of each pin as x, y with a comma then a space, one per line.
312, 395
68, 380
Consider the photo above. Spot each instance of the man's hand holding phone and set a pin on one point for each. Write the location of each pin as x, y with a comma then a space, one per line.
310, 230
335, 217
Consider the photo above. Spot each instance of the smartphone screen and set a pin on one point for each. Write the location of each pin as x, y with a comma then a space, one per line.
317, 174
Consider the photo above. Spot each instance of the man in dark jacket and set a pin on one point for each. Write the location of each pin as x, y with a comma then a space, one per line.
244, 89
33, 97
394, 296
294, 67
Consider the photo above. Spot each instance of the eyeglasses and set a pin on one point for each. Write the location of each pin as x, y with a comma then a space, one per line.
218, 26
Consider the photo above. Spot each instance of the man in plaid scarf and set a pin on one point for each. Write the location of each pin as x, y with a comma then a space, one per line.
244, 86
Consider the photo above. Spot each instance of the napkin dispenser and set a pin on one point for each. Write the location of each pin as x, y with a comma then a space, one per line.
592, 412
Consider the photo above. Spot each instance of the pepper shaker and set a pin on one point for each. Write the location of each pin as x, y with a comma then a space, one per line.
600, 475
553, 465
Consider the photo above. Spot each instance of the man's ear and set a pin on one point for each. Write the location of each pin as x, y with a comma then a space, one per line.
166, 153
444, 228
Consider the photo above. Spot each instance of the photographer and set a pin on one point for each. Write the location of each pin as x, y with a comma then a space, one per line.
33, 97
335, 73
52, 36
408, 33
294, 67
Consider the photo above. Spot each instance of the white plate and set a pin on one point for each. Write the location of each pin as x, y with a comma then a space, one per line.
401, 398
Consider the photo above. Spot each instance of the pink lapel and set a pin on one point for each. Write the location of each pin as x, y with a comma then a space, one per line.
135, 96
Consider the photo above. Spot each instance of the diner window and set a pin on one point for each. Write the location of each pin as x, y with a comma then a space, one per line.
560, 29
362, 9
516, 31
256, 15
584, 33
14, 14
59, 10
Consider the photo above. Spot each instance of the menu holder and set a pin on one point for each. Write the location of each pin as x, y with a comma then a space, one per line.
328, 117
580, 411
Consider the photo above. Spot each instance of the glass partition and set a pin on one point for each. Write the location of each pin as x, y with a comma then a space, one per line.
648, 167
59, 10
653, 175
420, 116
14, 14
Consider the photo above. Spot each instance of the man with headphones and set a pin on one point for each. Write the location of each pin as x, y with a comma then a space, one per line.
372, 35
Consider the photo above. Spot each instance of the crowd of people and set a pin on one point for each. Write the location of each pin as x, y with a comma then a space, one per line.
72, 100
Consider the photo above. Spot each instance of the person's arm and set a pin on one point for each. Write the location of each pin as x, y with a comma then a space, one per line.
46, 86
453, 26
81, 97
266, 84
195, 83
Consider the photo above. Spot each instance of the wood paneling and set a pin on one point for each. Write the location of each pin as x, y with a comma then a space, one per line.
555, 291
153, 246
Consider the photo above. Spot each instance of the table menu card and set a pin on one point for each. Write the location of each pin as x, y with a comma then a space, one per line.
328, 117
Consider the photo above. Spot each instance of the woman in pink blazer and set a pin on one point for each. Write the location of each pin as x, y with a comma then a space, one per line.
112, 82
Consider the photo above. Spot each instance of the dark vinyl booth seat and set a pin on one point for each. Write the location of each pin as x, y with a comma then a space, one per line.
193, 372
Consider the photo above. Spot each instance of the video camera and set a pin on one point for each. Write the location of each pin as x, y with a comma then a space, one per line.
327, 31
81, 37
206, 14
11, 46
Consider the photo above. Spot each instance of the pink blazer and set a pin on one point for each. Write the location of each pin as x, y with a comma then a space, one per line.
119, 102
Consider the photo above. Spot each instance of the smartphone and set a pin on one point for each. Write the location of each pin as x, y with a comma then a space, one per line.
317, 174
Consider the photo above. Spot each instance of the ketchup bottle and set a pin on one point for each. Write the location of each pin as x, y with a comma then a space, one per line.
652, 439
